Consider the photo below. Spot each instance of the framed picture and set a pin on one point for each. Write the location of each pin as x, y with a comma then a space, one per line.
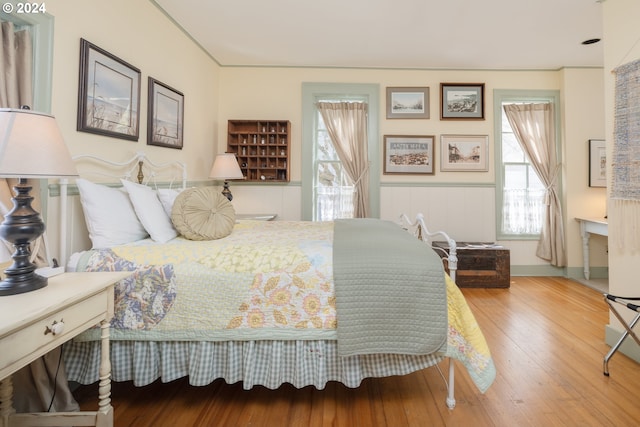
409, 154
464, 153
407, 103
165, 116
597, 163
109, 94
462, 101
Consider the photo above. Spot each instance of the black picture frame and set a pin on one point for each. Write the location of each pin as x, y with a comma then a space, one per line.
108, 95
461, 101
165, 118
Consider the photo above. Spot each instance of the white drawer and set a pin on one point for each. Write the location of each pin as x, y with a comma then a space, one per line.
31, 342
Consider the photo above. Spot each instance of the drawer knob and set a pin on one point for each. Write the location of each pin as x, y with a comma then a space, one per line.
56, 328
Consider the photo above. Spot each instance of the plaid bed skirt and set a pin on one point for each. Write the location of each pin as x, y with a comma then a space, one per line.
266, 363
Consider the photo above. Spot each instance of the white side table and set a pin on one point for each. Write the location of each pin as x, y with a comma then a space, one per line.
34, 323
589, 226
256, 217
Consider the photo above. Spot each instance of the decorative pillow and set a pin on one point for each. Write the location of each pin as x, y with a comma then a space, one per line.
167, 197
150, 211
203, 214
109, 215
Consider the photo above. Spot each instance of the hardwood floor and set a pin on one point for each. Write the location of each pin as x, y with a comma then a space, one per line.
547, 339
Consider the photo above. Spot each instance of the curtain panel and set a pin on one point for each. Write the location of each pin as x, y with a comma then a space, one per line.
534, 128
346, 124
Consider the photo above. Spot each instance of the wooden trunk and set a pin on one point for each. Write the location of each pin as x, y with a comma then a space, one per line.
480, 265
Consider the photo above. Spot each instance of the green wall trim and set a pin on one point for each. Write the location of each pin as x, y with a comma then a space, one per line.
516, 95
72, 189
629, 347
439, 184
40, 25
266, 184
594, 272
311, 92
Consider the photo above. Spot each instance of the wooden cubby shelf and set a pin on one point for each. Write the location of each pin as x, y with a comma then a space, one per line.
262, 148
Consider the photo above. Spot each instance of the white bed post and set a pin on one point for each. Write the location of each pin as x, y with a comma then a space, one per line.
451, 400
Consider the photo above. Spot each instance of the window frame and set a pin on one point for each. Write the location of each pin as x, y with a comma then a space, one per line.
314, 92
41, 26
519, 96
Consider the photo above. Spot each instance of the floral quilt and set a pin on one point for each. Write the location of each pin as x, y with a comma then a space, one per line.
265, 281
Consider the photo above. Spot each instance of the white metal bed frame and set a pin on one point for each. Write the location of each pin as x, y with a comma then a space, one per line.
141, 169
138, 168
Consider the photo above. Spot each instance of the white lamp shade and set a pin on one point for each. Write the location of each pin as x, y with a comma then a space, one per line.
225, 166
31, 146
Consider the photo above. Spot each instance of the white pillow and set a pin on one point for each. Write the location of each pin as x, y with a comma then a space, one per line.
167, 197
150, 211
109, 215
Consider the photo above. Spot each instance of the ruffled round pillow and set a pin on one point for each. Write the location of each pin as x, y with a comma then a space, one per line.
203, 213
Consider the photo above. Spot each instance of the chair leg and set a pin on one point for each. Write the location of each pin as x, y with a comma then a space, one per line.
628, 332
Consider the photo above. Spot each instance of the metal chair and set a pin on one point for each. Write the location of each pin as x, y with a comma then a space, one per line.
623, 301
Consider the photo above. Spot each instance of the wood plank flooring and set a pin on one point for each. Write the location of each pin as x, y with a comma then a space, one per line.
547, 339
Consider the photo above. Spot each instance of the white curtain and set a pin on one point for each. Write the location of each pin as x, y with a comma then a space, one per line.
346, 124
534, 128
41, 386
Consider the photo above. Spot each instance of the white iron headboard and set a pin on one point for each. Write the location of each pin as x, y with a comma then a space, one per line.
139, 169
420, 230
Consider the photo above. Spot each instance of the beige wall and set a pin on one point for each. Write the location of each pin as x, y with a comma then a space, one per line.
621, 35
583, 118
275, 93
140, 34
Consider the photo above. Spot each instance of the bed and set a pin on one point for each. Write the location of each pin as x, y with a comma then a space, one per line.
269, 302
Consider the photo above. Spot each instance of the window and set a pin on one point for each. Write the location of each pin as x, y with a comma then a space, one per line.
333, 189
327, 191
522, 190
519, 192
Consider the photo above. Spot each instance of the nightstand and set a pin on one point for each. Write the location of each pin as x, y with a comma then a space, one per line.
34, 323
256, 217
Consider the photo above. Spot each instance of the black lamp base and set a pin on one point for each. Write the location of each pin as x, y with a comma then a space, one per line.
13, 285
226, 192
21, 226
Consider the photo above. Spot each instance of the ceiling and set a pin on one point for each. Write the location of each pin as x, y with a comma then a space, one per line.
432, 34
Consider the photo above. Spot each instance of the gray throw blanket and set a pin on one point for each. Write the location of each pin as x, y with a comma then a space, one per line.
390, 290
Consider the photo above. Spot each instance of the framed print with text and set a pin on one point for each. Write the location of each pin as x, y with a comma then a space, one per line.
409, 154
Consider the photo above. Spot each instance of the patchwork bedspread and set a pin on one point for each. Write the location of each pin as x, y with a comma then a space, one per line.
265, 281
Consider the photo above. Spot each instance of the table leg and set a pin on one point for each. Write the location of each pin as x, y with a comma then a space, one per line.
585, 249
6, 401
105, 410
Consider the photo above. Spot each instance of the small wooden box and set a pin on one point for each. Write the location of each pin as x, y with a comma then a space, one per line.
480, 265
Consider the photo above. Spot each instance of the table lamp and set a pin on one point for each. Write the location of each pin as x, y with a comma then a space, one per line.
226, 167
31, 146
